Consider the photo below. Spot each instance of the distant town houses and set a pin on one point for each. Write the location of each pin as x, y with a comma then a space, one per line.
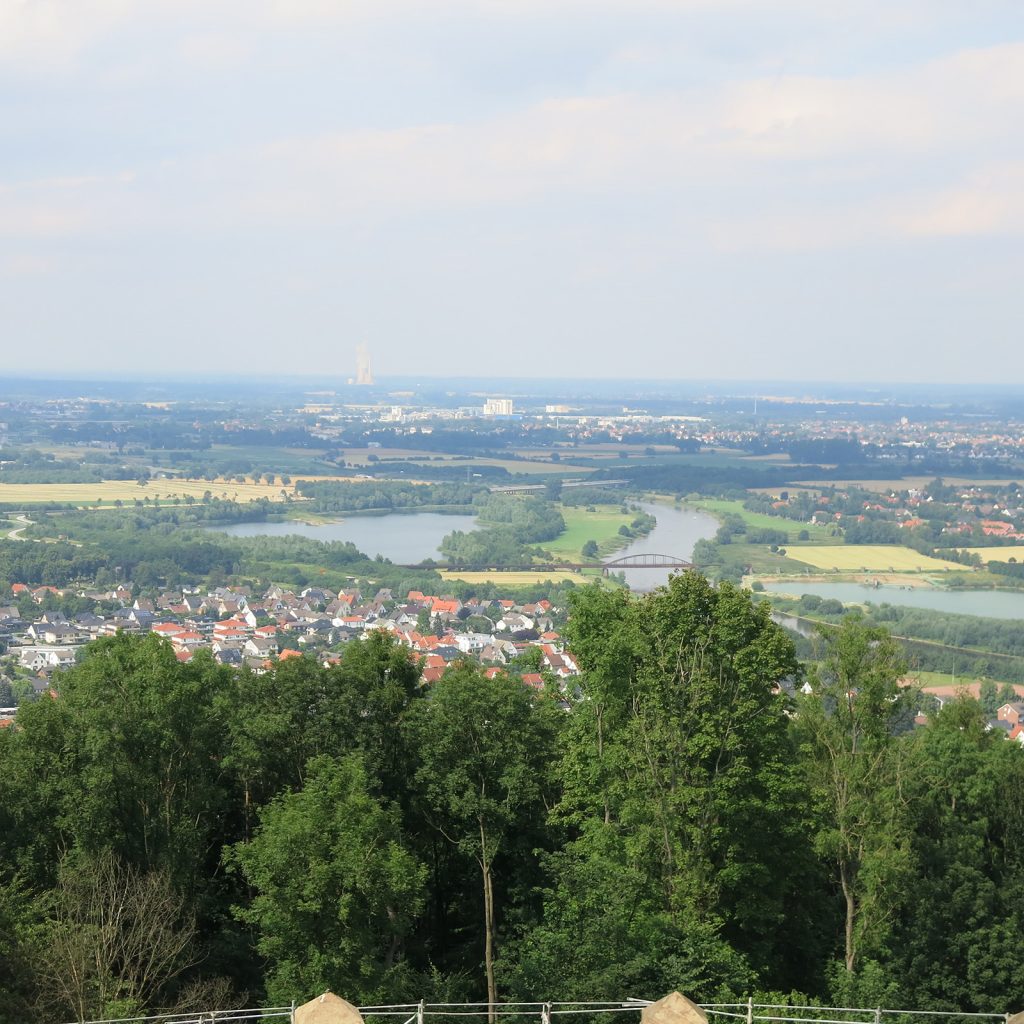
242, 629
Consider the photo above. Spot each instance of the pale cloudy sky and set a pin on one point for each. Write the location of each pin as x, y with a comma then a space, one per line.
640, 188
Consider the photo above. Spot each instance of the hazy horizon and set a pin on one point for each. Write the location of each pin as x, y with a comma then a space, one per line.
683, 190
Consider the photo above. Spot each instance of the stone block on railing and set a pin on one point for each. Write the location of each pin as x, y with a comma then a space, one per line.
327, 1009
675, 1008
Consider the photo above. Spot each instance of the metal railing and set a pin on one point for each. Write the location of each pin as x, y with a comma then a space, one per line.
279, 1013
544, 1013
790, 1013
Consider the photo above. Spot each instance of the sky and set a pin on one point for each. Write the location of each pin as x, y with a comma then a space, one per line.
669, 189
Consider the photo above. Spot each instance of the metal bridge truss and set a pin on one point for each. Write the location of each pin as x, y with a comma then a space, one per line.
648, 561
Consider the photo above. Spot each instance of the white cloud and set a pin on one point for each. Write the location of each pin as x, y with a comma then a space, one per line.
46, 35
989, 203
885, 154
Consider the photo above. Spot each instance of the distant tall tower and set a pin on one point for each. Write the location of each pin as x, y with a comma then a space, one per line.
363, 373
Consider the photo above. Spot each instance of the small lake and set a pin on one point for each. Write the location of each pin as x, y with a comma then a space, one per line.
992, 604
406, 539
677, 532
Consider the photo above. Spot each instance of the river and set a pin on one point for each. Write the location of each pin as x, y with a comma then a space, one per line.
993, 604
678, 530
403, 538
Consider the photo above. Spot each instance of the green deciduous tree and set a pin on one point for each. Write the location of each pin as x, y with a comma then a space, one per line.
278, 721
336, 888
485, 747
679, 787
128, 758
856, 769
956, 937
989, 696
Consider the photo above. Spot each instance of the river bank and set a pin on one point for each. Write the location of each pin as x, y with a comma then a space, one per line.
877, 580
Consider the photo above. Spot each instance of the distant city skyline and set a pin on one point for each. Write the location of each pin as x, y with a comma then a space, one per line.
667, 189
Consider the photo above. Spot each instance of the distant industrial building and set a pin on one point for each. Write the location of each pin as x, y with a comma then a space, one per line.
498, 407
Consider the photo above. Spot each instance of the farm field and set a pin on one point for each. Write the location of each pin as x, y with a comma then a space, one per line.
581, 526
268, 458
759, 521
512, 579
127, 491
1001, 554
871, 558
379, 457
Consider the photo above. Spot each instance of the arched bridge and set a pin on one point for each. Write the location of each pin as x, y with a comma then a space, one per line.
648, 560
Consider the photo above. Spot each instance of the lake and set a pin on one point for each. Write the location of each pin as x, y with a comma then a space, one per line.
406, 539
993, 604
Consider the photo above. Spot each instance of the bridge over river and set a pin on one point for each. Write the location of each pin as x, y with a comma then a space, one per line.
642, 560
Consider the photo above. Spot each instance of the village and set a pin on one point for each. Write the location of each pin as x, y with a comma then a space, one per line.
244, 630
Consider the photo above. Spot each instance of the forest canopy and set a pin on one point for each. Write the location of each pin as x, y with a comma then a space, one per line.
683, 816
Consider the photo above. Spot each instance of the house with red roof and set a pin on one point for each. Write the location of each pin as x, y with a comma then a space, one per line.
166, 629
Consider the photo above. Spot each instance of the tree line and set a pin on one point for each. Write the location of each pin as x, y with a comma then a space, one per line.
510, 528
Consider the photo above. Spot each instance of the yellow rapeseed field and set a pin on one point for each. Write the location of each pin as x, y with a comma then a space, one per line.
868, 558
128, 491
1001, 554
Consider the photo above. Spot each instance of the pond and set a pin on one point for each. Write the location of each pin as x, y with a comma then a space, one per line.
406, 539
992, 604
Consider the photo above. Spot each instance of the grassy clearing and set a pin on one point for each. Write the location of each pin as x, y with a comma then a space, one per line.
760, 560
759, 521
1002, 554
872, 558
581, 526
512, 579
929, 679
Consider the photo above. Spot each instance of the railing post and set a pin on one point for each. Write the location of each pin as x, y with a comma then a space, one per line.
750, 1010
878, 1015
291, 1013
421, 1012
